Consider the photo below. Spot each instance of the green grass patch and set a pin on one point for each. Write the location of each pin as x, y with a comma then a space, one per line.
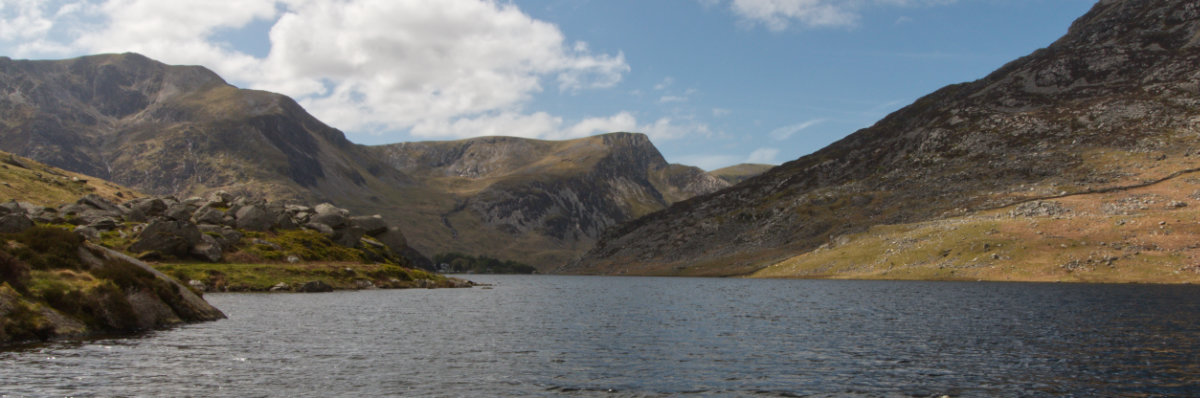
261, 277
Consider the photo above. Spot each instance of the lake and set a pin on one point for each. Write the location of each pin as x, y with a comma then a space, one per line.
635, 336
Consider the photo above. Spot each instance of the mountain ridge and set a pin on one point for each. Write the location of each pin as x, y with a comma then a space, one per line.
1080, 114
184, 131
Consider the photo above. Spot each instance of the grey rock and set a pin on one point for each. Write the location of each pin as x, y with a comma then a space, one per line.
104, 224
254, 218
371, 225
134, 214
333, 220
15, 223
326, 208
151, 207
179, 212
284, 221
349, 236
90, 233
208, 214
226, 236
169, 237
322, 228
208, 249
95, 201
220, 198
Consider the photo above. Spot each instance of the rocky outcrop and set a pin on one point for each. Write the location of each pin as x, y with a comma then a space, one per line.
555, 197
168, 130
1114, 102
202, 229
122, 294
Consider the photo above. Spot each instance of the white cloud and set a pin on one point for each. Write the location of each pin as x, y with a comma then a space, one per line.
778, 15
763, 155
671, 98
666, 82
719, 112
786, 132
709, 162
432, 67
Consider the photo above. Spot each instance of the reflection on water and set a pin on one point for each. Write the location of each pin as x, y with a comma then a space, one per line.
584, 336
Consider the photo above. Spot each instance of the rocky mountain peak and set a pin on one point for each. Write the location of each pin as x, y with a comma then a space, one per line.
1121, 85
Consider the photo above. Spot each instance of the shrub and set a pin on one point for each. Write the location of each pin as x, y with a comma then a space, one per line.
14, 271
46, 248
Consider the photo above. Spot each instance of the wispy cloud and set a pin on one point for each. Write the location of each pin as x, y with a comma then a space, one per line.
786, 132
778, 15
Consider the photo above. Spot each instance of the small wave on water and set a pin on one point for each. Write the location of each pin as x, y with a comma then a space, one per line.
652, 337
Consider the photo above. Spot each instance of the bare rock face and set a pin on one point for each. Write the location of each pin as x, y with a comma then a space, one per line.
554, 195
168, 237
1122, 81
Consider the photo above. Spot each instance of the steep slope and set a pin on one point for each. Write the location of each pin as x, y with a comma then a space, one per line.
1113, 103
175, 130
540, 202
181, 130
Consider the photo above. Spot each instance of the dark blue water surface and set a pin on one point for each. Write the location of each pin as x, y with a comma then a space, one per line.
629, 336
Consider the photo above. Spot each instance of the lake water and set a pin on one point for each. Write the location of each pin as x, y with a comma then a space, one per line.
630, 336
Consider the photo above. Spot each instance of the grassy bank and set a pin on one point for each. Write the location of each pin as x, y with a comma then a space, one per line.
262, 277
1145, 235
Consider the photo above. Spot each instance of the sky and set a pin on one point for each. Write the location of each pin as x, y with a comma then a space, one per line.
712, 82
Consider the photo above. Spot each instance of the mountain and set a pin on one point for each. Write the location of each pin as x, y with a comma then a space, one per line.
182, 130
541, 202
1111, 106
740, 172
175, 130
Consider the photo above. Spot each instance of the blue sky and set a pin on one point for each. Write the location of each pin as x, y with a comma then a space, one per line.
712, 82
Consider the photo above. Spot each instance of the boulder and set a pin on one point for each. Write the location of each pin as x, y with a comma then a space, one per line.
104, 223
349, 236
254, 218
226, 236
315, 287
15, 223
326, 208
322, 228
333, 220
97, 202
150, 207
209, 214
179, 212
371, 225
90, 233
220, 198
170, 237
208, 249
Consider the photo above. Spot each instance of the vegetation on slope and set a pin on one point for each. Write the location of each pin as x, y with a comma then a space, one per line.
52, 284
1143, 234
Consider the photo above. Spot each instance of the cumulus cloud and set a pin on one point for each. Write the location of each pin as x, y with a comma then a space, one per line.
778, 15
434, 68
786, 132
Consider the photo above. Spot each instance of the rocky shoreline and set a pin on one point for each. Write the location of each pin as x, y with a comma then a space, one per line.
84, 268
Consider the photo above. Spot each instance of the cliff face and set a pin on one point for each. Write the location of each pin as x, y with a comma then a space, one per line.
1112, 103
554, 197
181, 130
174, 130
